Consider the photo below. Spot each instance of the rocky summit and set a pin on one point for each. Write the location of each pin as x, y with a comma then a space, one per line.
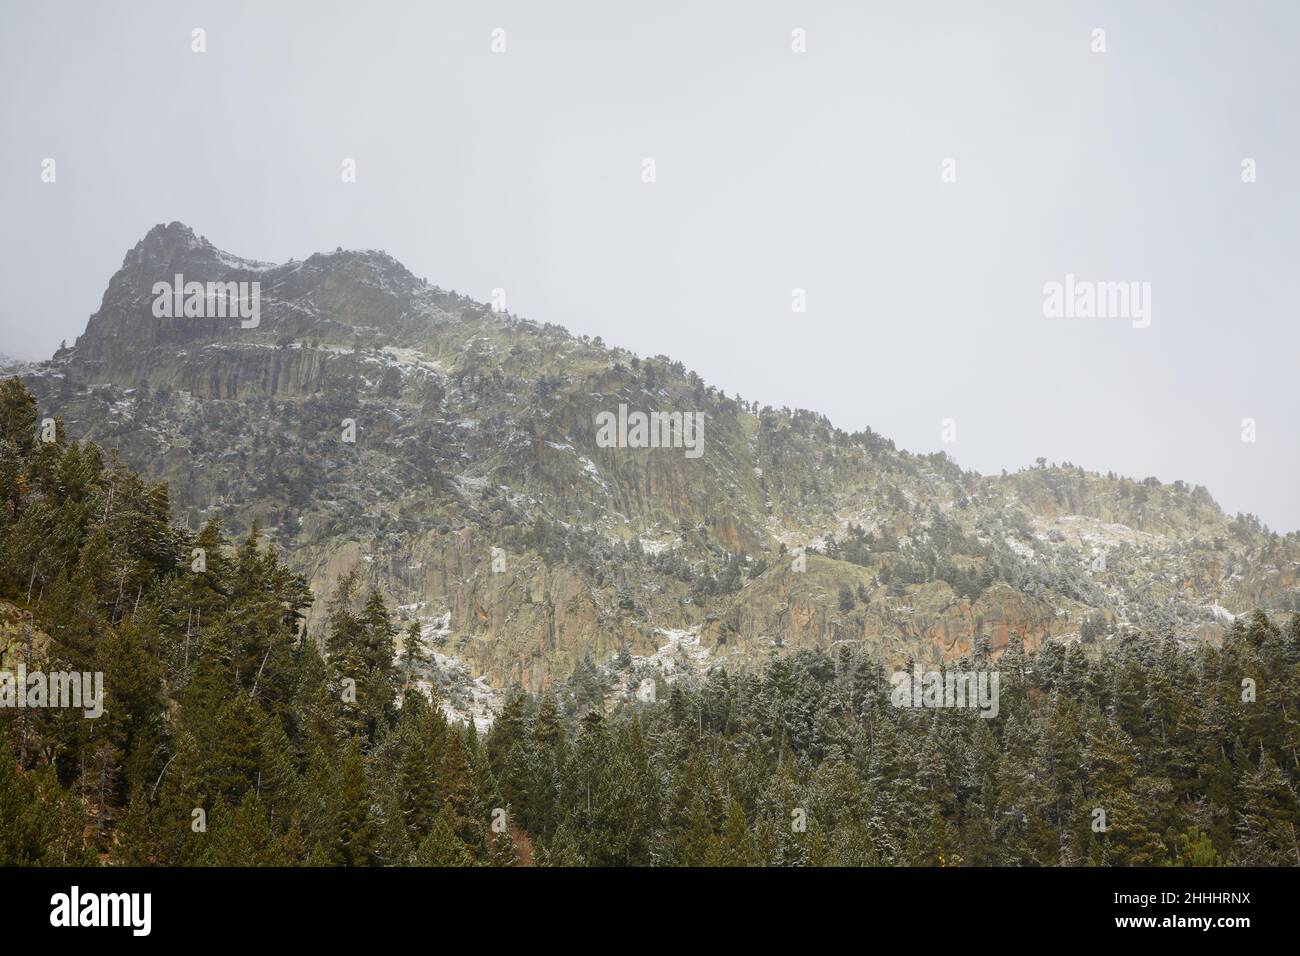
454, 456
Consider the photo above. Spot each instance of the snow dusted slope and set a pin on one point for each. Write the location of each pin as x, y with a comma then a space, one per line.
475, 431
462, 696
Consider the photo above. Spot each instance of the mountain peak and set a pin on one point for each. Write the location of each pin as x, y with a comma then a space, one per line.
165, 238
173, 242
165, 231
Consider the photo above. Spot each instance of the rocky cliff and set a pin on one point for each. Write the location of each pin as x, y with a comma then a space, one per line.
370, 419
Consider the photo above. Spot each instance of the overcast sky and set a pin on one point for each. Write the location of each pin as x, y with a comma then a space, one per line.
775, 170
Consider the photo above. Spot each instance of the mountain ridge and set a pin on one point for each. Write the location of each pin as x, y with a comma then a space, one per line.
476, 430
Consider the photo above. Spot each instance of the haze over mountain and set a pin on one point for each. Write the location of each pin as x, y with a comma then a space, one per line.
476, 430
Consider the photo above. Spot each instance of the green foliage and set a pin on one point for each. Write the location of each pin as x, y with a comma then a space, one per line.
298, 750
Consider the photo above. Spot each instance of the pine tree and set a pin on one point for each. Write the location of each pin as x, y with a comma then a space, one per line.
733, 846
456, 792
1266, 822
1196, 849
354, 826
442, 847
503, 851
561, 851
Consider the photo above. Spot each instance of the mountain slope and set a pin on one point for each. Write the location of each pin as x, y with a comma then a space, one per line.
476, 430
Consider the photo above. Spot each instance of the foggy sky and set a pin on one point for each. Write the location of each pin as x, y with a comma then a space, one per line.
775, 170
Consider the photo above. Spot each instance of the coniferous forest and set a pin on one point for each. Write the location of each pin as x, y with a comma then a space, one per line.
230, 736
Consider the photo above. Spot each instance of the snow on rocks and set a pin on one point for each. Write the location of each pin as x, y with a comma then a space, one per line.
461, 696
681, 653
1221, 614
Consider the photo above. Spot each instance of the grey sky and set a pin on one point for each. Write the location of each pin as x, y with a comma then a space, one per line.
775, 171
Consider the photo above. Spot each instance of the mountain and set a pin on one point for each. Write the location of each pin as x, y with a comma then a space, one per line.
476, 430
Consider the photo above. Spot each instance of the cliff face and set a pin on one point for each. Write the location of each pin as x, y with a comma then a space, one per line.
373, 420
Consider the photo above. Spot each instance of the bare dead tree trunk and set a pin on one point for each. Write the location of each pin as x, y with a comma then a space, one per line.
265, 658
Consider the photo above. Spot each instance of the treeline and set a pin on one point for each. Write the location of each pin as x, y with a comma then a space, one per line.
229, 737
